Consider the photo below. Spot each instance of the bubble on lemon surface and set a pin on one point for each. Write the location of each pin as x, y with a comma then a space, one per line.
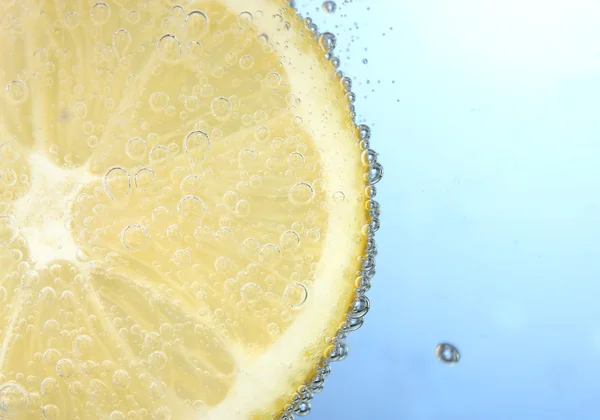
196, 24
169, 48
100, 13
251, 292
50, 412
136, 148
295, 295
17, 91
327, 41
117, 183
191, 208
269, 254
65, 368
8, 230
289, 240
159, 101
13, 399
301, 193
144, 179
221, 108
121, 41
196, 145
8, 152
135, 237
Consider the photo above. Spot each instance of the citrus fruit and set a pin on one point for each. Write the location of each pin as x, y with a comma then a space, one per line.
186, 211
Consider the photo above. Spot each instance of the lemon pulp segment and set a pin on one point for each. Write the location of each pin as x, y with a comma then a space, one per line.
182, 208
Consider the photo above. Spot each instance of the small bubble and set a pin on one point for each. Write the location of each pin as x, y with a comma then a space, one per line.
158, 389
72, 20
8, 230
157, 360
191, 207
196, 24
144, 179
289, 240
273, 80
158, 101
273, 328
339, 196
301, 193
117, 183
195, 50
251, 292
121, 41
242, 208
116, 415
245, 19
136, 148
47, 294
159, 155
17, 91
327, 41
29, 279
134, 237
169, 48
13, 399
262, 134
196, 145
100, 13
329, 7
296, 160
65, 368
221, 108
447, 353
8, 152
48, 386
222, 264
191, 184
152, 341
8, 177
50, 412
182, 258
269, 254
295, 295
246, 62
133, 16
121, 378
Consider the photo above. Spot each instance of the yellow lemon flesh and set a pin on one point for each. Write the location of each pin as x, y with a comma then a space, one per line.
182, 208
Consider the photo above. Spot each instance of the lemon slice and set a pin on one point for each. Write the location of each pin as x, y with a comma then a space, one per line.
186, 210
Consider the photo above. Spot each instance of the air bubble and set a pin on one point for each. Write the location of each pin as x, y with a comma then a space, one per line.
289, 240
159, 155
246, 62
8, 177
134, 237
196, 145
301, 193
158, 101
296, 160
221, 108
157, 360
196, 24
121, 41
8, 230
327, 41
121, 379
447, 353
158, 389
169, 48
65, 368
191, 184
117, 183
8, 152
17, 91
50, 412
269, 254
191, 208
195, 50
144, 179
295, 295
251, 292
329, 7
100, 13
182, 258
13, 399
136, 148
273, 328
72, 20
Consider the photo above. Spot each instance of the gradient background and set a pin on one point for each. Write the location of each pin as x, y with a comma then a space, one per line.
486, 115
